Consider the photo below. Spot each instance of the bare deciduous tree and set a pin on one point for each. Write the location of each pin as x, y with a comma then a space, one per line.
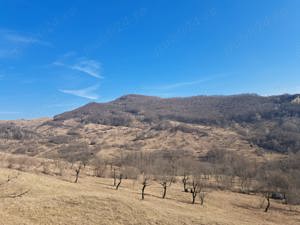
185, 169
202, 196
120, 181
164, 170
271, 182
99, 167
77, 171
165, 181
114, 176
60, 165
245, 169
146, 181
195, 185
185, 180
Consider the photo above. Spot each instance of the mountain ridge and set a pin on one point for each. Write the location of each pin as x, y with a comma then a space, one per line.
262, 117
250, 124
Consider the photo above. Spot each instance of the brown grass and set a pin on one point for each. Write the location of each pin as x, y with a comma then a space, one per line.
94, 201
110, 140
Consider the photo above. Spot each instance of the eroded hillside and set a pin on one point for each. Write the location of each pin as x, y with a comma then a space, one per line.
250, 124
70, 139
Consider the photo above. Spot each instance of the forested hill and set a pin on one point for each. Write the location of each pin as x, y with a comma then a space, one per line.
272, 123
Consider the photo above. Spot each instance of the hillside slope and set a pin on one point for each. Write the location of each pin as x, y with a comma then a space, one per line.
272, 123
94, 201
250, 124
71, 140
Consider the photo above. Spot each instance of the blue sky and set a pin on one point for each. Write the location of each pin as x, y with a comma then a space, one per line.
58, 55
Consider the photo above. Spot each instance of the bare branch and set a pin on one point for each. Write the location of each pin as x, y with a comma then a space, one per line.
16, 195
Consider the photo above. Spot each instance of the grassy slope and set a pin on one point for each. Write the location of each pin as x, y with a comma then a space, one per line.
94, 201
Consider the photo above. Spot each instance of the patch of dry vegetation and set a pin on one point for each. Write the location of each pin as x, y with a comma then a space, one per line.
71, 139
95, 201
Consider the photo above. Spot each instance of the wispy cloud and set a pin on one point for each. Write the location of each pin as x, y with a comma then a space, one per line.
88, 92
12, 43
88, 66
21, 39
186, 83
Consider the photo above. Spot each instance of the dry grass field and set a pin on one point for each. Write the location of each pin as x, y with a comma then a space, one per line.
52, 200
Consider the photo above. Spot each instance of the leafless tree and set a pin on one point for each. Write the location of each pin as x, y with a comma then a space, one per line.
202, 196
185, 180
77, 171
60, 165
271, 182
165, 181
196, 187
164, 171
114, 176
146, 181
292, 169
116, 167
130, 172
198, 182
120, 181
244, 169
185, 169
99, 167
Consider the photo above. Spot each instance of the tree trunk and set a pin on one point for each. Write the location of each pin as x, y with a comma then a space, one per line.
165, 192
268, 205
184, 181
143, 191
184, 187
284, 199
77, 176
115, 179
194, 194
120, 181
201, 199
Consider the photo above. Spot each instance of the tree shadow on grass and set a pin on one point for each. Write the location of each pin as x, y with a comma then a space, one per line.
104, 184
285, 210
172, 199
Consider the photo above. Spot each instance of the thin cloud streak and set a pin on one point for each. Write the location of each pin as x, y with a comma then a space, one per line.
88, 92
87, 66
90, 67
17, 38
13, 43
187, 83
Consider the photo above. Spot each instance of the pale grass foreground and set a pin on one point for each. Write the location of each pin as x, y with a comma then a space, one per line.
93, 201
